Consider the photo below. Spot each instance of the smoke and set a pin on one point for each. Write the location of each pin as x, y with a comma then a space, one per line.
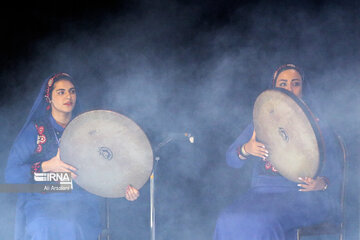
192, 67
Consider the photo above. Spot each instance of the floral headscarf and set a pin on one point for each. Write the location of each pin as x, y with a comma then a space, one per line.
41, 105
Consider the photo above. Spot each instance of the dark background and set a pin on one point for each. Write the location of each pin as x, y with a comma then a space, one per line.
182, 66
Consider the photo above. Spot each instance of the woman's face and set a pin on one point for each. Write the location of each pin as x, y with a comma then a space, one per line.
290, 80
63, 97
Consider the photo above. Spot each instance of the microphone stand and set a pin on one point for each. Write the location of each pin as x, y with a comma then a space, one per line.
152, 186
152, 180
106, 232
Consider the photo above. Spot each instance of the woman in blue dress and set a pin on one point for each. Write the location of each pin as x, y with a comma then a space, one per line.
52, 216
274, 207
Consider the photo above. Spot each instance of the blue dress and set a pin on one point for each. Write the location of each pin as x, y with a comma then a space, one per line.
44, 216
273, 208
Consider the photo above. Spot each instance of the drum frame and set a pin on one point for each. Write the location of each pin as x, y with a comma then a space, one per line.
313, 122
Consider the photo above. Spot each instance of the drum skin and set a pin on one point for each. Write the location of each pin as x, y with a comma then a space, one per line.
290, 133
110, 152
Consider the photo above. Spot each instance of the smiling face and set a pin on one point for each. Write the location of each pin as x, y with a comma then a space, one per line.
290, 80
63, 97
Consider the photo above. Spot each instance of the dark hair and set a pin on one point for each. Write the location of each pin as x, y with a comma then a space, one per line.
42, 102
50, 87
51, 82
307, 92
286, 67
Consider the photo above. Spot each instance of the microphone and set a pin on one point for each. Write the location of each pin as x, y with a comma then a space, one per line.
189, 136
175, 136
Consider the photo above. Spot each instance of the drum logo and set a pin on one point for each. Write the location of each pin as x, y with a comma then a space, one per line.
283, 134
105, 153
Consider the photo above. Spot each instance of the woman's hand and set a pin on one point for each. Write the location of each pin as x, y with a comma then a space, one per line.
56, 165
310, 184
256, 148
131, 193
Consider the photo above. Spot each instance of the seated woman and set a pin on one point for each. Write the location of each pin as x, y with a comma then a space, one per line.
45, 216
274, 207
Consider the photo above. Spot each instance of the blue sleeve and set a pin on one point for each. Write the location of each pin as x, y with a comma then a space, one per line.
18, 169
232, 155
